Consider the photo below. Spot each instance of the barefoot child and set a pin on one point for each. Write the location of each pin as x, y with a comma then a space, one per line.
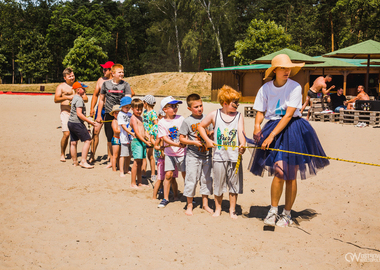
139, 143
198, 158
168, 130
77, 128
281, 100
126, 135
228, 131
116, 137
150, 123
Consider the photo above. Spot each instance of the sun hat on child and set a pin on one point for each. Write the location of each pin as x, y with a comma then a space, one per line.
125, 101
149, 99
77, 85
283, 60
115, 108
169, 100
108, 64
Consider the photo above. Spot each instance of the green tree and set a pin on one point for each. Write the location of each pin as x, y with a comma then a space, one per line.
220, 14
261, 38
3, 61
34, 57
84, 58
361, 19
11, 31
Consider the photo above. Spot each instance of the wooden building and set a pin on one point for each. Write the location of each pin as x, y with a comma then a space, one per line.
346, 73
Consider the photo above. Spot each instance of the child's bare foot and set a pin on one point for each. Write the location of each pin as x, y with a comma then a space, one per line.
217, 213
134, 186
122, 175
75, 164
86, 165
142, 185
233, 215
109, 165
189, 211
62, 159
208, 209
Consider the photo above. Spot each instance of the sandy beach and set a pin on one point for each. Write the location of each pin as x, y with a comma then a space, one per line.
56, 216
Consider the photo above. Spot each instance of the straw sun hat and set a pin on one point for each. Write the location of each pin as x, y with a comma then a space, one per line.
115, 108
283, 60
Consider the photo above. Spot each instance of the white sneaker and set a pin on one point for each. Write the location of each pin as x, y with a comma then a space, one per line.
270, 219
284, 221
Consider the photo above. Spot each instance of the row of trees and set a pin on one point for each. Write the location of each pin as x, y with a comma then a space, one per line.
38, 38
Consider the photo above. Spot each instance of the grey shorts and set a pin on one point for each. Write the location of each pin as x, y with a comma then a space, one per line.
175, 162
125, 150
312, 94
224, 175
198, 169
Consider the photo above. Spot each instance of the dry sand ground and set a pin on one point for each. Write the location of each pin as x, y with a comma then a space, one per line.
55, 216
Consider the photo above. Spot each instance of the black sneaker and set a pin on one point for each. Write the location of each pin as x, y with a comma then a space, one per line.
163, 203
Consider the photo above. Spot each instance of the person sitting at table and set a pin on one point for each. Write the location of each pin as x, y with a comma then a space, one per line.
361, 96
337, 100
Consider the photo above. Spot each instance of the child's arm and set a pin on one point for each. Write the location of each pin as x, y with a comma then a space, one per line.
280, 126
171, 142
85, 98
241, 133
128, 130
84, 118
209, 119
115, 126
185, 140
135, 127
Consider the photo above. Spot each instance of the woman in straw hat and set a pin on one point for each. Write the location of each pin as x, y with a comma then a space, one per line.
280, 101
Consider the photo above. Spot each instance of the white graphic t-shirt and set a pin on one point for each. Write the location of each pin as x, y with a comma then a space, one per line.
275, 100
124, 119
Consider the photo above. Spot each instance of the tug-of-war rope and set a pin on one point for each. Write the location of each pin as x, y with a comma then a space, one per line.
295, 153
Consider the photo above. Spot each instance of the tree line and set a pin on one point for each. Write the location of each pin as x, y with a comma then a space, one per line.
39, 38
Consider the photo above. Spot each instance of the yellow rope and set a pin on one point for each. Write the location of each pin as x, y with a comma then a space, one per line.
304, 154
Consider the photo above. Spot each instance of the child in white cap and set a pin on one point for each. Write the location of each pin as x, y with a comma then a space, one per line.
168, 130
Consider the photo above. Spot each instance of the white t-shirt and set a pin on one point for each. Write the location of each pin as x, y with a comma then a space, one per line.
124, 119
275, 100
170, 128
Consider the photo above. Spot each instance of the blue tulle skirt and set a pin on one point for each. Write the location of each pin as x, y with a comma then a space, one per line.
297, 136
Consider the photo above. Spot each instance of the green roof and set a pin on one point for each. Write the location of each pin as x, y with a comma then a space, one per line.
358, 51
293, 55
246, 67
331, 62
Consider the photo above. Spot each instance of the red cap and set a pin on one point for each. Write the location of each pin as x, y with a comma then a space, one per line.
109, 64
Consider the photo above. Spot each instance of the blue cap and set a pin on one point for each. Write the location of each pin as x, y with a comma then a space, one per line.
83, 85
125, 101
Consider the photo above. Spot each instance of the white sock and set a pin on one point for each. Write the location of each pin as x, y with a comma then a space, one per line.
286, 212
273, 209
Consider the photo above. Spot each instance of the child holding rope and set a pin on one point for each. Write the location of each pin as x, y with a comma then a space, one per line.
229, 142
280, 101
